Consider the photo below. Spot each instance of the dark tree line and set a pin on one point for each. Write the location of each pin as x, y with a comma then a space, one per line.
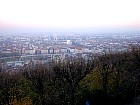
106, 79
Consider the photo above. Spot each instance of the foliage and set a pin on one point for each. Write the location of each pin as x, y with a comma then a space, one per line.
107, 79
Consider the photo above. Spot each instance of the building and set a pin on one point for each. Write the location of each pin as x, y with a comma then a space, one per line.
29, 51
44, 51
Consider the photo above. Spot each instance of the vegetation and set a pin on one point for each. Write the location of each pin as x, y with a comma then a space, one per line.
111, 79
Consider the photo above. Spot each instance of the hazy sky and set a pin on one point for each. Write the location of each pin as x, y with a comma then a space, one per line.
69, 14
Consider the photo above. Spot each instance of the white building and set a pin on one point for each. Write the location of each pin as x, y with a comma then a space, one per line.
78, 50
63, 50
69, 42
44, 51
71, 50
29, 51
87, 50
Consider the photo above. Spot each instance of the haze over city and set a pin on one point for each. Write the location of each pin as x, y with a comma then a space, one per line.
69, 52
69, 16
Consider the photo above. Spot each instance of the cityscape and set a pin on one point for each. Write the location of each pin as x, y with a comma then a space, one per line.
69, 52
21, 50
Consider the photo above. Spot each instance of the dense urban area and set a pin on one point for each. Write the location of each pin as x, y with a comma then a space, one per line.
24, 49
